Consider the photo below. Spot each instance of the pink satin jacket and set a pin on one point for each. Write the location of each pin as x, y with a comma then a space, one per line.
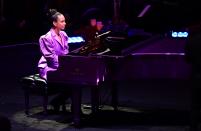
51, 48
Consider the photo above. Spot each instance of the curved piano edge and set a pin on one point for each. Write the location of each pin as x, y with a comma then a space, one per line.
141, 44
165, 53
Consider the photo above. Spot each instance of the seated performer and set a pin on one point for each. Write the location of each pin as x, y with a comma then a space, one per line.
52, 45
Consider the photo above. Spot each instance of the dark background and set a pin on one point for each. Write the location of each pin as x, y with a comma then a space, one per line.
24, 20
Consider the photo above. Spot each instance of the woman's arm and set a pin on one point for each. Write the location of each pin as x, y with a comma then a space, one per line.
47, 49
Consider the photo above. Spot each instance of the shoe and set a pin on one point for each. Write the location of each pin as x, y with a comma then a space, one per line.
56, 108
81, 112
64, 108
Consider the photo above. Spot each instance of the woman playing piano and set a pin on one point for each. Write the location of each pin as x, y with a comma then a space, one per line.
52, 45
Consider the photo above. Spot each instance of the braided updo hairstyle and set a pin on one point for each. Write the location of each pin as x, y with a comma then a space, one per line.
52, 16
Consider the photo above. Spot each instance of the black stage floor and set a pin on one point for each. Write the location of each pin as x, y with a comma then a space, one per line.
142, 107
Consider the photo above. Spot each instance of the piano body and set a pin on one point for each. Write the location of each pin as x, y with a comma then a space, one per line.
162, 58
150, 58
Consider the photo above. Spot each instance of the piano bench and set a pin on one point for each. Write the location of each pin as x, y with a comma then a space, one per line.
35, 85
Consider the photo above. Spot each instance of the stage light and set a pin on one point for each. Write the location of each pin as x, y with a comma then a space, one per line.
179, 34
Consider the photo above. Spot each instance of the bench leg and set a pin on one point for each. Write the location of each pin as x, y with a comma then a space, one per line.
26, 95
45, 103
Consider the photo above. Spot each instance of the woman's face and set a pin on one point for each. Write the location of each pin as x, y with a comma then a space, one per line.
60, 23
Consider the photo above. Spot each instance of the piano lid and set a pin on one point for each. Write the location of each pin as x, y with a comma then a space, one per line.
112, 44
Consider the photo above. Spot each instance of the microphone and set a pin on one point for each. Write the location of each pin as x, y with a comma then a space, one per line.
103, 34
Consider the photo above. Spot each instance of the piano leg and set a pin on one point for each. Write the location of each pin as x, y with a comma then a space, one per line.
76, 105
95, 99
114, 96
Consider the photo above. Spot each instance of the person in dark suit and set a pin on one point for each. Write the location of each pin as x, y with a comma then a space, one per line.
93, 33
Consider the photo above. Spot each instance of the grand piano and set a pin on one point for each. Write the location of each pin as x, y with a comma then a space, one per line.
149, 58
